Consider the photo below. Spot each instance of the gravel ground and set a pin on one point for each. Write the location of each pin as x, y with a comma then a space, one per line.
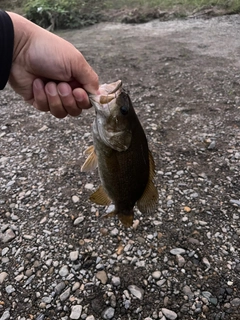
59, 259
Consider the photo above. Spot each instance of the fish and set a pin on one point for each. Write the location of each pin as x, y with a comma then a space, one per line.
120, 152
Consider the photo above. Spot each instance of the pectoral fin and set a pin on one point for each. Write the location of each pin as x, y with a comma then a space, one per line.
100, 197
148, 201
91, 162
89, 150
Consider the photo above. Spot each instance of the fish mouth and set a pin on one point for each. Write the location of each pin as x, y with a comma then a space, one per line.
108, 92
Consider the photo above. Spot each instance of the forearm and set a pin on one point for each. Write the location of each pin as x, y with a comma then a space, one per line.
6, 47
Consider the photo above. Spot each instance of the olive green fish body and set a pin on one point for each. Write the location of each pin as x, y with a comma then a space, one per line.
125, 165
124, 174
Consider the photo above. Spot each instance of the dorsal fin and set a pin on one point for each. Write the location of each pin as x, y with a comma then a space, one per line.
91, 162
100, 197
148, 201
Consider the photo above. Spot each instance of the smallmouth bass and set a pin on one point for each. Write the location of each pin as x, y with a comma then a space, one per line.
120, 151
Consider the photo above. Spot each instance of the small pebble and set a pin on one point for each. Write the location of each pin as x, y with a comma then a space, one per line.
108, 313
3, 276
75, 199
74, 255
76, 312
102, 276
177, 251
156, 275
169, 314
78, 220
136, 291
64, 271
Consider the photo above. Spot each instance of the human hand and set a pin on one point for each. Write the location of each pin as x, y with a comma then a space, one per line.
49, 72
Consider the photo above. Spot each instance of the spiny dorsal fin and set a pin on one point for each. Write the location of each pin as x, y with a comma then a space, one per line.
148, 201
91, 162
100, 197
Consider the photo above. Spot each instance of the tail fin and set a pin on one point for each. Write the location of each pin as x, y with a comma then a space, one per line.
126, 219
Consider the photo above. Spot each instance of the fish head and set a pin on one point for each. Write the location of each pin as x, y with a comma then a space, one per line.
114, 116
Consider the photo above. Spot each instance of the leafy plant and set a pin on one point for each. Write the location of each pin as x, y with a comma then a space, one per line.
59, 14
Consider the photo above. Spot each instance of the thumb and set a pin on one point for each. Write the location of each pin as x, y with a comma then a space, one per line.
85, 75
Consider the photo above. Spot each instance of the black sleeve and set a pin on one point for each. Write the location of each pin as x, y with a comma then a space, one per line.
6, 47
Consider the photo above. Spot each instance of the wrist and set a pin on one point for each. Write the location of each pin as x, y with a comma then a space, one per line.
22, 33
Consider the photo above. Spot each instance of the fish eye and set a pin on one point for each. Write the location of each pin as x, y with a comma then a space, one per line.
124, 110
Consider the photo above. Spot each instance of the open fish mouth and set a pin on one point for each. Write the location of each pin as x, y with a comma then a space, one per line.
108, 92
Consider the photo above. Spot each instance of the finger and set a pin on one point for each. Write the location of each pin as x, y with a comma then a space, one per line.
54, 101
82, 99
68, 101
85, 75
40, 100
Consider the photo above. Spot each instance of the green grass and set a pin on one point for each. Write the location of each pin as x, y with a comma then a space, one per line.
179, 6
230, 5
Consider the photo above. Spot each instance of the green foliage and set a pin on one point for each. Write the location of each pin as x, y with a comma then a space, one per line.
64, 14
61, 14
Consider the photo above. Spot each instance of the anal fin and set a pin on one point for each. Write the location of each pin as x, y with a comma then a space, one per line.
100, 197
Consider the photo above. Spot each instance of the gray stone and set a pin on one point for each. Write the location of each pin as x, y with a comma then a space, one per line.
235, 302
6, 315
161, 282
89, 186
47, 299
156, 274
233, 201
65, 294
213, 300
206, 294
64, 271
108, 313
76, 312
180, 260
177, 251
102, 276
75, 199
116, 281
169, 314
136, 291
8, 236
75, 286
188, 292
114, 232
194, 195
3, 276
74, 255
78, 220
9, 289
